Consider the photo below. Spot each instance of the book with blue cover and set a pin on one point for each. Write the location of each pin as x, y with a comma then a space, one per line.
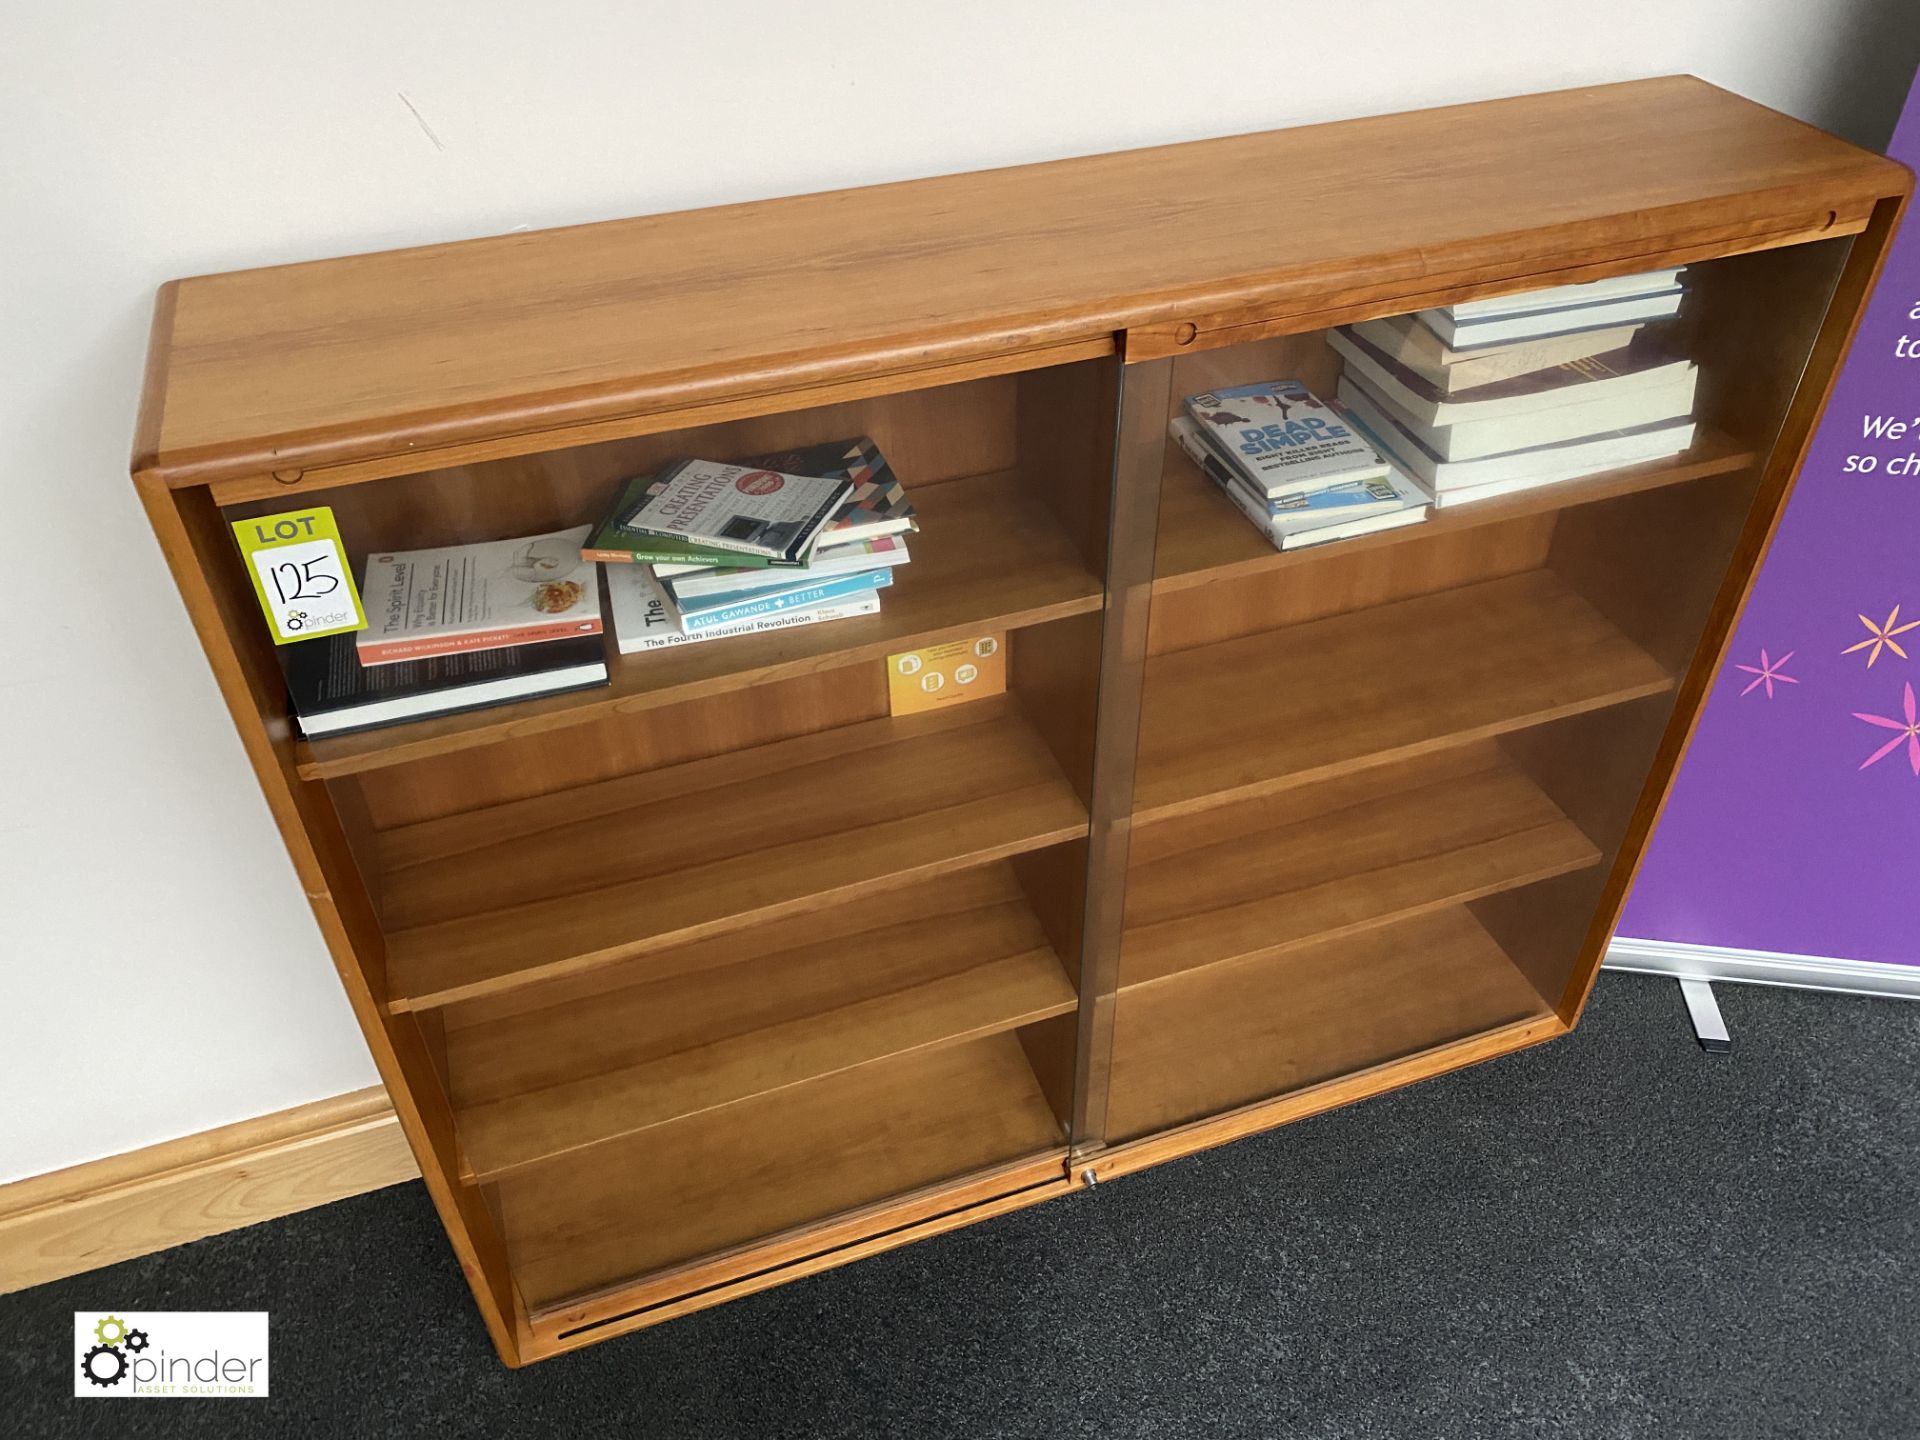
707, 611
1284, 439
1348, 500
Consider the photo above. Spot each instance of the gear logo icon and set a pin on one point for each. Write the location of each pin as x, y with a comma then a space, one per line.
104, 1365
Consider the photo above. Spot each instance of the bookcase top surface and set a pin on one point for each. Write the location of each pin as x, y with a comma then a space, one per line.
381, 355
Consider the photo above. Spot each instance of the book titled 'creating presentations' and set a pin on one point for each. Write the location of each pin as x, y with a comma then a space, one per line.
738, 508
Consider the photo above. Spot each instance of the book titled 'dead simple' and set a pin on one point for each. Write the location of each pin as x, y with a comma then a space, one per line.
738, 508
1283, 438
460, 598
333, 693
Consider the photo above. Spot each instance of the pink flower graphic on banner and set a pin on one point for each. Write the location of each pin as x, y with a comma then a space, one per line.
1909, 734
1768, 673
1881, 636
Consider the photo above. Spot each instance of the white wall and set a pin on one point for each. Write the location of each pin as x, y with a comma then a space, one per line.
159, 971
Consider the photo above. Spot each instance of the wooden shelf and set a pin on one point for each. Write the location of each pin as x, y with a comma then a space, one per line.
1203, 538
1230, 1034
751, 1013
750, 1171
483, 901
1366, 849
972, 571
1301, 704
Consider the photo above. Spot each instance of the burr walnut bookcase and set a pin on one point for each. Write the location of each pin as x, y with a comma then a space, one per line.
722, 975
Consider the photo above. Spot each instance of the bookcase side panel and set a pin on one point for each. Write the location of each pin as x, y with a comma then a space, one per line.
198, 551
1797, 381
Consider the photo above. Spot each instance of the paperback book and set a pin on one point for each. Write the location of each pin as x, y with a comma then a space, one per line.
876, 506
881, 553
1628, 379
712, 610
1459, 482
738, 509
426, 603
643, 621
1407, 339
333, 693
1282, 438
1348, 500
1559, 310
1405, 504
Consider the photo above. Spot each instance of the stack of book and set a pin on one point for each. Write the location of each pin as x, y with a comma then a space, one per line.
1293, 466
1490, 397
703, 550
454, 629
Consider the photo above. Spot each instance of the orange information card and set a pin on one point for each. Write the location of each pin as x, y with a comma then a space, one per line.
948, 674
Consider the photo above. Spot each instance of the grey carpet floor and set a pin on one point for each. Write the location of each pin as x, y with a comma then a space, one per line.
1612, 1235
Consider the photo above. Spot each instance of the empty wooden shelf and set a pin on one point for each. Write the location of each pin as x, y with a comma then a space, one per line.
719, 1180
482, 900
1216, 1039
1262, 712
1372, 847
726, 1020
730, 970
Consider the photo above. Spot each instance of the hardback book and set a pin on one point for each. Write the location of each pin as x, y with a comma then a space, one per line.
738, 508
708, 611
1499, 328
423, 603
877, 506
1296, 531
1564, 297
642, 619
1282, 438
334, 693
1407, 339
1615, 376
1349, 500
882, 553
1461, 481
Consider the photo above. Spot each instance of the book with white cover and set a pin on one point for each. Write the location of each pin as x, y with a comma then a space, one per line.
1407, 339
1537, 324
1478, 439
456, 599
738, 507
1282, 437
1614, 376
1458, 482
643, 621
1560, 297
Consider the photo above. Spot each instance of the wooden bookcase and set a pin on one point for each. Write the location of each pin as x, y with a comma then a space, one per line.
722, 974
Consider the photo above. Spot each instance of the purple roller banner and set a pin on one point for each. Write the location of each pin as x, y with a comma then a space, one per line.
1794, 826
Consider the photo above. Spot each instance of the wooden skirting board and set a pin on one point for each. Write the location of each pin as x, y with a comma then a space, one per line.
90, 1215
